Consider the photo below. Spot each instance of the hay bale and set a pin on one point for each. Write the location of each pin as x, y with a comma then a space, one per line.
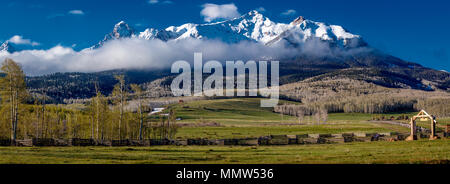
278, 140
219, 142
291, 136
124, 142
348, 135
158, 142
5, 142
349, 139
248, 142
198, 142
360, 134
83, 142
337, 135
24, 143
104, 143
231, 142
321, 140
314, 135
299, 139
386, 134
139, 143
309, 140
264, 140
181, 142
375, 137
62, 142
292, 139
43, 142
302, 136
325, 135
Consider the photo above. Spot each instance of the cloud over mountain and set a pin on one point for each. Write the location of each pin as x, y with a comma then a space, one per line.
19, 40
212, 12
134, 53
249, 37
289, 12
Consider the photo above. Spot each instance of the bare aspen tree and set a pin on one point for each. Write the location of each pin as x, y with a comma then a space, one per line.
172, 125
43, 107
317, 116
119, 94
138, 95
324, 115
13, 92
300, 116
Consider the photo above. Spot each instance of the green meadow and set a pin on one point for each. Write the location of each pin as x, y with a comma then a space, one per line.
401, 152
243, 117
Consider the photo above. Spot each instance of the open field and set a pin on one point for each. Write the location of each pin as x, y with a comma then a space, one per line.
243, 117
422, 151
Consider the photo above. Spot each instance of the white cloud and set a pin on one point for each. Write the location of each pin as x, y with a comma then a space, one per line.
160, 2
76, 12
289, 12
261, 9
134, 53
212, 12
17, 39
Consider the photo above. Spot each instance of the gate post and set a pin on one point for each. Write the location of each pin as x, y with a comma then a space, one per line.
413, 135
433, 129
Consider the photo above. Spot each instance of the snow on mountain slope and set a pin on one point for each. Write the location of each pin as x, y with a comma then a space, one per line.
252, 26
6, 46
148, 34
300, 30
121, 30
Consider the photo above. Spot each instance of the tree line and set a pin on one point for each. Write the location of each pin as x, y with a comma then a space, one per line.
26, 115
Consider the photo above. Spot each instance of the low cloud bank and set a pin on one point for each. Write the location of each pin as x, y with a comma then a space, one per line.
136, 53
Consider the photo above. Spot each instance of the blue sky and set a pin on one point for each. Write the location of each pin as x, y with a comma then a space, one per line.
416, 31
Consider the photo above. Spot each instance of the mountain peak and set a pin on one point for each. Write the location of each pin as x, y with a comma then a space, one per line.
6, 46
252, 26
121, 22
298, 21
254, 12
122, 29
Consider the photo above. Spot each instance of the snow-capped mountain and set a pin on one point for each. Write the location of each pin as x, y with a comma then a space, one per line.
252, 26
121, 30
6, 46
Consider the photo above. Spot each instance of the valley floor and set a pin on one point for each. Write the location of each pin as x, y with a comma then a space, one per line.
401, 152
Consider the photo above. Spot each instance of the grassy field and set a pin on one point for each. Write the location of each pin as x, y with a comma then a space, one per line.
243, 117
422, 151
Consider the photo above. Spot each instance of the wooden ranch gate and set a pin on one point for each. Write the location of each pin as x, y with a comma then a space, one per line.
423, 116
